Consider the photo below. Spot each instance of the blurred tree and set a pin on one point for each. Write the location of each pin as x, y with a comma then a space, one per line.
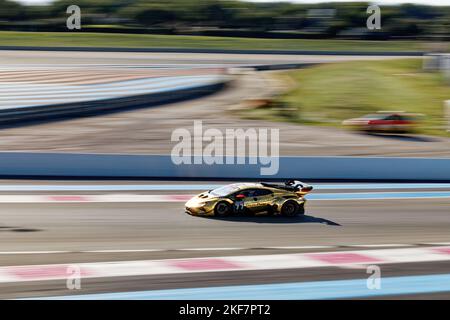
11, 11
408, 20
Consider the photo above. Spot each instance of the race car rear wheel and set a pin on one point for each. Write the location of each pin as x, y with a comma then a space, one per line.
289, 209
222, 209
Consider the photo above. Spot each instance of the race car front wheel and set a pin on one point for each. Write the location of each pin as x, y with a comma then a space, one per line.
289, 209
222, 209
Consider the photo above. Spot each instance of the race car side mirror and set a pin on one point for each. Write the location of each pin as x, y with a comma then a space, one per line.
240, 196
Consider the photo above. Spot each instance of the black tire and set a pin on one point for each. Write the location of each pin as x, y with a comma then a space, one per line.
290, 209
222, 209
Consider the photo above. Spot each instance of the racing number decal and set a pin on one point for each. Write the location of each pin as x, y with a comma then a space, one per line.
239, 206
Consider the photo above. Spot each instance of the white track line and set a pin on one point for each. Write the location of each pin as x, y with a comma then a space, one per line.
379, 245
168, 198
387, 245
122, 251
437, 243
212, 249
31, 252
300, 247
104, 198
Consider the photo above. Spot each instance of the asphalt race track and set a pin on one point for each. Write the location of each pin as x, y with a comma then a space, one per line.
72, 226
104, 58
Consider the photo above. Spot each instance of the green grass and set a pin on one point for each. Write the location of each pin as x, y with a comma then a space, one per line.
151, 41
328, 94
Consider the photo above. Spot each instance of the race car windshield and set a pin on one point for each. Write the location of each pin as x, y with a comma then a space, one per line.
224, 191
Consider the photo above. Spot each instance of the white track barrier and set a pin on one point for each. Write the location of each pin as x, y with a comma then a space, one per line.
161, 166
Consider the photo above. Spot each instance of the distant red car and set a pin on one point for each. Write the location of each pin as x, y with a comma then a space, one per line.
392, 122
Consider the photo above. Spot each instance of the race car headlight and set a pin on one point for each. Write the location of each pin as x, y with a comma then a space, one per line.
197, 204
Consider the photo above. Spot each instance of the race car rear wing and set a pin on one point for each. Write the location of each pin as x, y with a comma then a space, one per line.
300, 187
292, 185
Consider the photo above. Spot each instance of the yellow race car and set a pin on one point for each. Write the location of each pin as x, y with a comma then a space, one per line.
251, 198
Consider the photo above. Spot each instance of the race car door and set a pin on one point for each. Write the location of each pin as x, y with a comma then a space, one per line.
259, 200
242, 199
